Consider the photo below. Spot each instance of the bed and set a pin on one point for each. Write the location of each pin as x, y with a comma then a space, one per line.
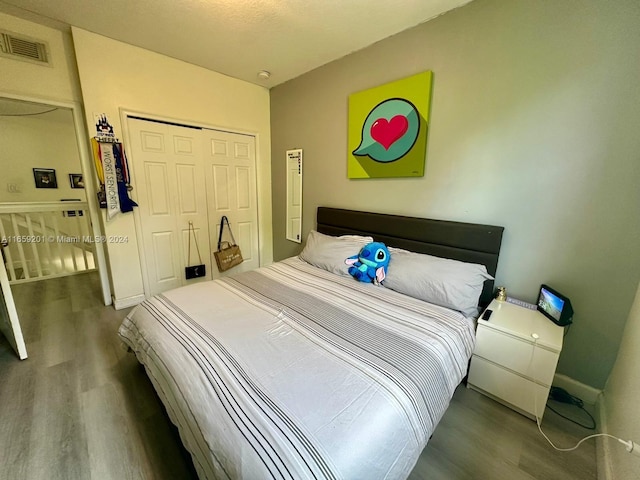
298, 371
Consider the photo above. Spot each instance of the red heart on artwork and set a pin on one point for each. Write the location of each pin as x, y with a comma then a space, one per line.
386, 133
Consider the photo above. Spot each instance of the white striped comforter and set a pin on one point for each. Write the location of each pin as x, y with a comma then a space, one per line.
293, 372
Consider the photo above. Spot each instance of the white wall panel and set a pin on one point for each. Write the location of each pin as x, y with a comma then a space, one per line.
186, 177
152, 142
241, 150
221, 186
163, 246
219, 147
158, 188
183, 145
244, 237
243, 188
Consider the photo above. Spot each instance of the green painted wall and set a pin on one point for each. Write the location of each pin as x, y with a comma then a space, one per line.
535, 127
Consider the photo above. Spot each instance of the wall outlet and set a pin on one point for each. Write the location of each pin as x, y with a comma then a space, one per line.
14, 188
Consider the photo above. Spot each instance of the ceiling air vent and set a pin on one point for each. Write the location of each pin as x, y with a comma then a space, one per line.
23, 48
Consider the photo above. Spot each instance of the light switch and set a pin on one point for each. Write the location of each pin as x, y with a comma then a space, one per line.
13, 188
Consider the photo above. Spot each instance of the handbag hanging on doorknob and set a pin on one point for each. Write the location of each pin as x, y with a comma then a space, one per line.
194, 271
230, 255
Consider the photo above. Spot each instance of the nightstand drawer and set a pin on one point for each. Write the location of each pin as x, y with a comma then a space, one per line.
507, 387
515, 354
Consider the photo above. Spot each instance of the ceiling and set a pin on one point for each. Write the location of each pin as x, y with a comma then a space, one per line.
240, 37
19, 108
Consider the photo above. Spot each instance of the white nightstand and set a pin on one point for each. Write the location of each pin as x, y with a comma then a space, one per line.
502, 367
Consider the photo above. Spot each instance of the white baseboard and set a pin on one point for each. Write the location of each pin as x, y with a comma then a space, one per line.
120, 303
587, 393
592, 396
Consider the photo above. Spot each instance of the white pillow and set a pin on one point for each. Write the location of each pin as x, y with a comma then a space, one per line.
329, 253
442, 281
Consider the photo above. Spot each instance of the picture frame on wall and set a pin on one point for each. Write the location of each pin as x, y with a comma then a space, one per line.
388, 128
45, 178
76, 180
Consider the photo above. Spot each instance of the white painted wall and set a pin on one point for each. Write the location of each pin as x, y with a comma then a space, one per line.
621, 398
55, 146
116, 76
58, 82
38, 141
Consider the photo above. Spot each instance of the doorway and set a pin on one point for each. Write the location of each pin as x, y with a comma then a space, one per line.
191, 176
45, 196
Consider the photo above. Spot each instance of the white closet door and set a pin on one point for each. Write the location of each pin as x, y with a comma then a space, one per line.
230, 173
170, 189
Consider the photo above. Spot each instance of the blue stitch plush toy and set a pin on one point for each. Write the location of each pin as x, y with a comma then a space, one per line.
370, 264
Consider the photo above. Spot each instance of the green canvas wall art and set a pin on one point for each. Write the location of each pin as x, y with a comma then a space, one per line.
388, 128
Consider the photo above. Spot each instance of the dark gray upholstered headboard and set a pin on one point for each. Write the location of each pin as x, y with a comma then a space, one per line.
467, 242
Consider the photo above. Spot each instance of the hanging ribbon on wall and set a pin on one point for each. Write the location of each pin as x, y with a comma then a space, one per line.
112, 169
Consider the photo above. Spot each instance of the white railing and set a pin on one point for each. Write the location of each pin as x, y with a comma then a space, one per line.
44, 240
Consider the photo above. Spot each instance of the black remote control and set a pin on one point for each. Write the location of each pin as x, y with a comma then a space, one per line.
487, 314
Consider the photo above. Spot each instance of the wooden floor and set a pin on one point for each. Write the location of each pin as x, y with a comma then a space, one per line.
80, 407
